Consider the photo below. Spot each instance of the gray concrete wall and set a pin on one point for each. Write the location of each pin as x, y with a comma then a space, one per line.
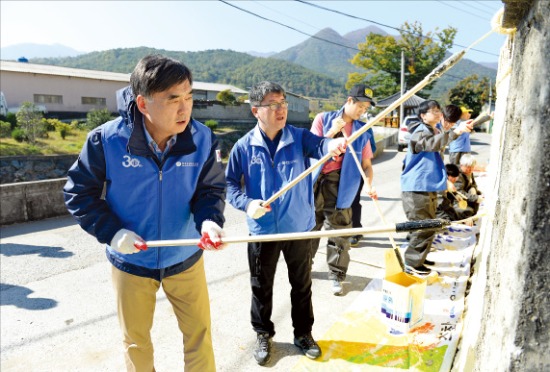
31, 201
34, 168
507, 323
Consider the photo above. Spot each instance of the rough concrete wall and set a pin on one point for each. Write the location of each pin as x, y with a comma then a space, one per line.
31, 201
507, 325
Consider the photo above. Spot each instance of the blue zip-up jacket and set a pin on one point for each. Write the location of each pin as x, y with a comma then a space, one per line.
350, 176
158, 201
423, 169
462, 143
263, 176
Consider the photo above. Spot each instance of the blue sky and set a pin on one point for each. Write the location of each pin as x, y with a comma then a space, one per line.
200, 25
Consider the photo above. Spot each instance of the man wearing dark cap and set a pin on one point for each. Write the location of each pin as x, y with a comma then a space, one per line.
333, 199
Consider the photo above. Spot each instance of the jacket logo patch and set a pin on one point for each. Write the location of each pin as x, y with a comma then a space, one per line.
186, 164
255, 160
130, 162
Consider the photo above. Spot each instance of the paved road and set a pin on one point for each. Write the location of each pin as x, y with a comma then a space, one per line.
57, 309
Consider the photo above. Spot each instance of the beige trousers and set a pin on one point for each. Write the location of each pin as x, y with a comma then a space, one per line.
188, 294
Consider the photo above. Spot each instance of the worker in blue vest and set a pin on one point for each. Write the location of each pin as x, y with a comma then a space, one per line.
333, 198
460, 145
423, 176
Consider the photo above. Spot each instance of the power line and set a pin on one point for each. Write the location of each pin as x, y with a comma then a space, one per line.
384, 25
462, 10
471, 5
286, 15
483, 3
289, 27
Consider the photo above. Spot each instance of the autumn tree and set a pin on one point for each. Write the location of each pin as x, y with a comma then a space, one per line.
380, 57
472, 92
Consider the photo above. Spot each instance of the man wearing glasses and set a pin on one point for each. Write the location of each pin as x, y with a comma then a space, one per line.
334, 199
423, 176
268, 157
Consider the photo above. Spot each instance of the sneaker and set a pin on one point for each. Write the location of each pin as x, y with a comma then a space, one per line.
429, 263
354, 240
308, 346
420, 270
337, 289
262, 350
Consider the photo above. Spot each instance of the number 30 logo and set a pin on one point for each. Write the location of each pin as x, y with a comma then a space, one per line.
129, 162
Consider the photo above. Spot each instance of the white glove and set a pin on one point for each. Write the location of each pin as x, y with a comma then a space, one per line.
255, 209
124, 241
212, 235
337, 146
464, 127
337, 125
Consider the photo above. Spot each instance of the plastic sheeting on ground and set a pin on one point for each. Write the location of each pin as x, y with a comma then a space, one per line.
361, 340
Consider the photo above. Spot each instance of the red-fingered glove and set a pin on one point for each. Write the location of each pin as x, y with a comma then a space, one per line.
142, 246
211, 239
207, 244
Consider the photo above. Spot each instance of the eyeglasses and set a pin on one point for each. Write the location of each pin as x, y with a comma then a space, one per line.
275, 106
435, 111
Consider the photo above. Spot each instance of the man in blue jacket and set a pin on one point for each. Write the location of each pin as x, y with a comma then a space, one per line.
423, 176
161, 176
268, 157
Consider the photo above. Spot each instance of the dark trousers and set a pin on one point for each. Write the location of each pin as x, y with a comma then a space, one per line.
356, 207
262, 260
419, 206
325, 192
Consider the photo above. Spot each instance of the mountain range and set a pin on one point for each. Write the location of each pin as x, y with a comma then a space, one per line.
317, 67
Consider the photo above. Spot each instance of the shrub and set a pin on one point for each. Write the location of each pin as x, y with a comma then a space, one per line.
212, 124
95, 118
64, 129
5, 129
19, 135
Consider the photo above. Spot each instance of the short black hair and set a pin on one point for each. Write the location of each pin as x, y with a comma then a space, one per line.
452, 113
156, 73
427, 105
259, 91
452, 170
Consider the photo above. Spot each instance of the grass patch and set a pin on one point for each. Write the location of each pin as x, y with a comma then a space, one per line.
53, 145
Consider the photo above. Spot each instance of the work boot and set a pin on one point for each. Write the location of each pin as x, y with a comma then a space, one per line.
308, 346
337, 288
419, 270
262, 349
354, 240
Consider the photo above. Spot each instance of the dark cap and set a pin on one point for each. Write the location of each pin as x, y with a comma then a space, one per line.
362, 93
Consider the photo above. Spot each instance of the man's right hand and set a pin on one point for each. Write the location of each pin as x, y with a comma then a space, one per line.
125, 242
256, 209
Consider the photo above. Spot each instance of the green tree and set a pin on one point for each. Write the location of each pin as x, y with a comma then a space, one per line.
226, 97
472, 92
380, 57
96, 117
29, 120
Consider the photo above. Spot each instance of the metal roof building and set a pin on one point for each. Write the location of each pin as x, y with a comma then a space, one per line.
68, 91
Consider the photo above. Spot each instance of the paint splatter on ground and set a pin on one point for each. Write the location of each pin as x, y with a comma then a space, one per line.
361, 339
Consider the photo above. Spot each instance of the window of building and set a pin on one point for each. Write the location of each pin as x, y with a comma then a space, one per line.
48, 98
96, 101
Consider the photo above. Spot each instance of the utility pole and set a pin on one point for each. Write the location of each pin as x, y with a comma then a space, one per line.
401, 107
